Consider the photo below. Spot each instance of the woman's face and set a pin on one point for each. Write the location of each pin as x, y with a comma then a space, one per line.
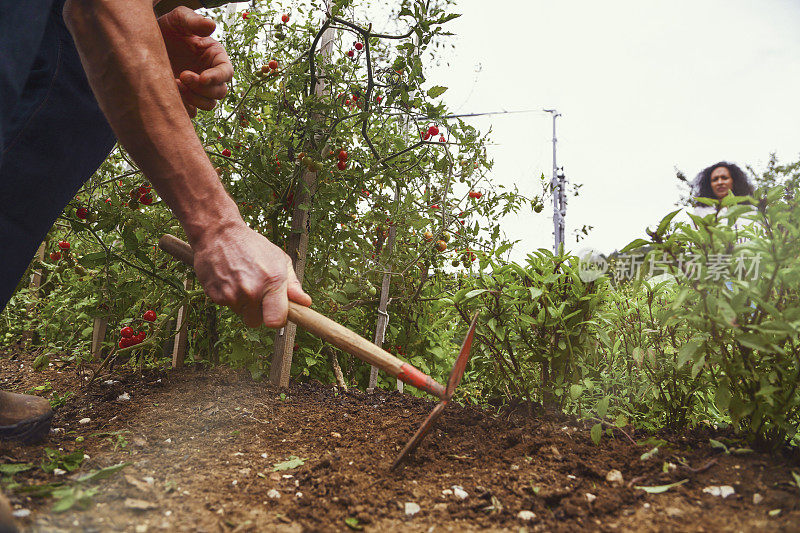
721, 182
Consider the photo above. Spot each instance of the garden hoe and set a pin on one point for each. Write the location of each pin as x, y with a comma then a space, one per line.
341, 337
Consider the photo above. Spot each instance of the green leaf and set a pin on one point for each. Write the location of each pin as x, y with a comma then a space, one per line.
621, 421
649, 455
718, 444
722, 398
535, 292
661, 488
796, 477
436, 91
353, 524
634, 244
102, 473
292, 462
687, 351
14, 468
92, 259
473, 293
664, 224
596, 432
602, 407
575, 391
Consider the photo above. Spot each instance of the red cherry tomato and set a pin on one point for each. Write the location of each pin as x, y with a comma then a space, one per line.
226, 152
358, 46
126, 332
64, 245
82, 213
55, 256
342, 165
285, 18
272, 64
149, 315
342, 155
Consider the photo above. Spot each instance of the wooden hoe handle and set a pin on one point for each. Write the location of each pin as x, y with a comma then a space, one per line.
332, 332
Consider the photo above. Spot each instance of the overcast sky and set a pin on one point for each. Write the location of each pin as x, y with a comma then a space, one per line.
643, 88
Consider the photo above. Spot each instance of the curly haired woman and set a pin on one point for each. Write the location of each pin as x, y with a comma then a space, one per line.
716, 181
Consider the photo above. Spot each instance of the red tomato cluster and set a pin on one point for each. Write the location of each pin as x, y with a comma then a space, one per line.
140, 195
475, 194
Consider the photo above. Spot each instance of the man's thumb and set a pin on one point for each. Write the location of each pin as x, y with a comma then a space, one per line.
196, 24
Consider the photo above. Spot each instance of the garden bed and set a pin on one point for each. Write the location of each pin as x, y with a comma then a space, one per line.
203, 445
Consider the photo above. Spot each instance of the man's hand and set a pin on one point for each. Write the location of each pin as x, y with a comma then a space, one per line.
241, 269
199, 63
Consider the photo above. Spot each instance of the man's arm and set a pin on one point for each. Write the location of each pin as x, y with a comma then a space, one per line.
126, 62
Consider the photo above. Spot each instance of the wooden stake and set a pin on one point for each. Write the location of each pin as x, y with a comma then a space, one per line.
212, 332
179, 350
36, 277
297, 247
383, 316
98, 336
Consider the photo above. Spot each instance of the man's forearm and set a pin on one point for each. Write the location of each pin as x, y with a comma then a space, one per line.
126, 62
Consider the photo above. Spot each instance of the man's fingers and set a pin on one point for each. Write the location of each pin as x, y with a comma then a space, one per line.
251, 314
275, 304
190, 97
193, 82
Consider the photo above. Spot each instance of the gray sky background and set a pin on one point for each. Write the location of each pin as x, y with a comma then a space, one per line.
643, 87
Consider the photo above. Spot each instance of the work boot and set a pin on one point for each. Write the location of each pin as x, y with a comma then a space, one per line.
7, 524
24, 417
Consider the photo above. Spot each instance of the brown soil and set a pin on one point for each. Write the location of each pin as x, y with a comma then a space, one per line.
202, 444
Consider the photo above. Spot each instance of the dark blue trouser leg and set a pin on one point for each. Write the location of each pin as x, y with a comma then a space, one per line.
54, 137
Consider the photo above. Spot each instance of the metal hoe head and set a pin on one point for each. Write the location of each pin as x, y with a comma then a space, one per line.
455, 378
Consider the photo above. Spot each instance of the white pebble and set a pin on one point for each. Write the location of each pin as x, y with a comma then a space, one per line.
590, 497
526, 515
59, 472
263, 455
614, 477
168, 441
234, 482
298, 495
411, 508
722, 491
86, 457
757, 498
447, 492
459, 492
273, 494
123, 397
110, 382
149, 480
84, 420
336, 435
21, 513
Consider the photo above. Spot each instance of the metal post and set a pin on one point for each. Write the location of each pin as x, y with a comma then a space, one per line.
557, 188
